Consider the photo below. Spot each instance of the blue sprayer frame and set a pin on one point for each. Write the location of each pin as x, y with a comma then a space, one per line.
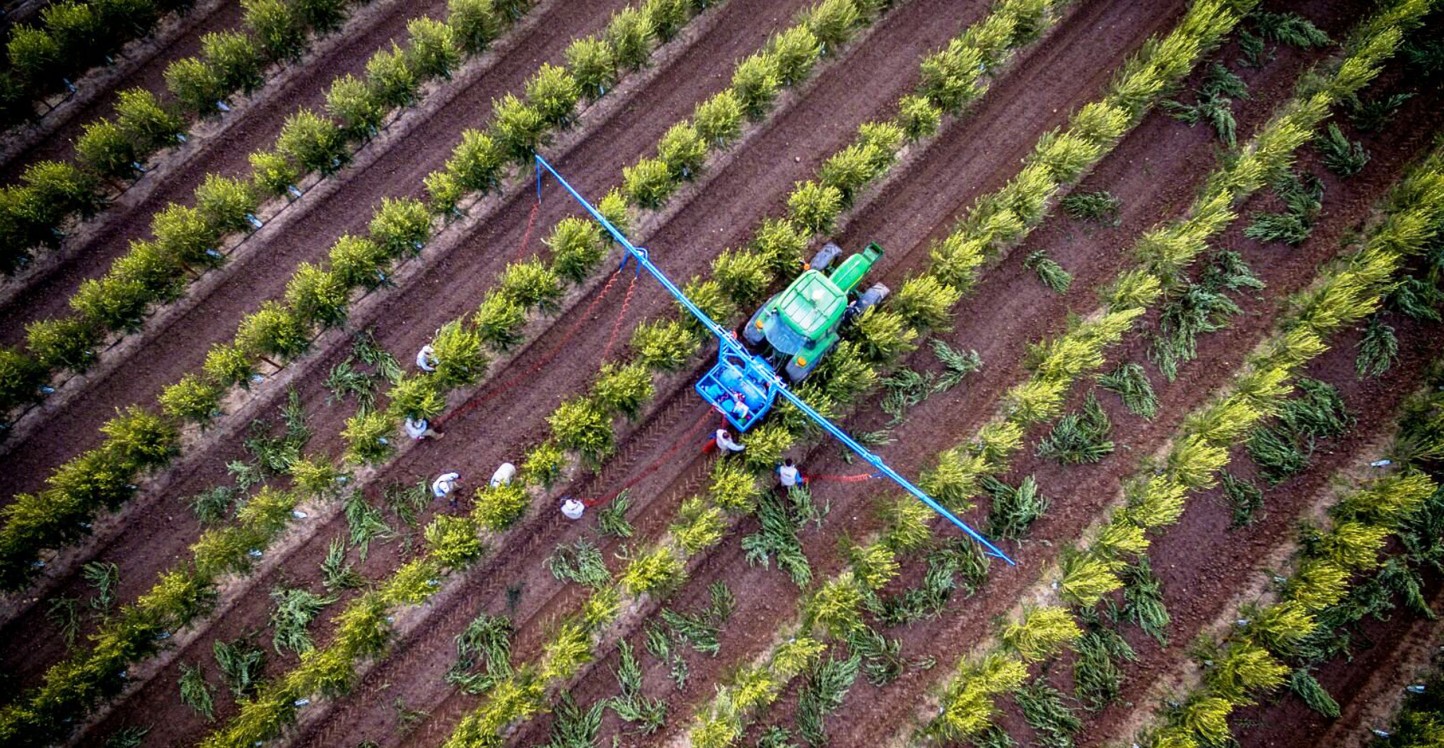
734, 358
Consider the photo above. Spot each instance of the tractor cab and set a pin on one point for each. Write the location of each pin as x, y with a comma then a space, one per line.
801, 324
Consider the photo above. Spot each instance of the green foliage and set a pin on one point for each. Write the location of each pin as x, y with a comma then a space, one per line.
777, 536
630, 704
475, 23
1341, 156
719, 119
194, 399
368, 438
356, 106
1284, 449
648, 183
273, 173
591, 62
1308, 688
1013, 510
241, 664
318, 297
656, 571
755, 82
579, 562
1143, 600
229, 365
520, 127
583, 425
683, 150
1050, 272
1079, 437
234, 59
824, 689
195, 692
956, 364
623, 389
401, 226
1378, 349
460, 358
197, 85
145, 122
664, 346
499, 320
1303, 201
485, 641
105, 149
21, 377
435, 50
629, 34
612, 519
1100, 207
1097, 678
281, 32
543, 465
313, 142
1130, 382
364, 523
532, 284
295, 609
554, 93
1244, 498
274, 330
1288, 28
499, 507
1041, 633
1043, 709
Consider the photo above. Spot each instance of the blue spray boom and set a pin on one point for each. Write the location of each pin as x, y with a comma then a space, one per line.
741, 376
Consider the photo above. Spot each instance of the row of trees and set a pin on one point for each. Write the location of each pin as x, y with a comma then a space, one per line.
1283, 640
399, 228
316, 298
998, 222
188, 239
113, 149
70, 38
461, 345
1157, 499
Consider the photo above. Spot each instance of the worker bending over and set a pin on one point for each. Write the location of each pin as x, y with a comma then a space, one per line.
722, 439
444, 485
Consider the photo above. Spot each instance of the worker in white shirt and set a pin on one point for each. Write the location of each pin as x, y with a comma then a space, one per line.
573, 509
789, 476
722, 440
420, 428
443, 486
426, 358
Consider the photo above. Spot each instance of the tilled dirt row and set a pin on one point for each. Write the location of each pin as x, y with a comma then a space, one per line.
146, 62
157, 534
304, 232
215, 147
769, 595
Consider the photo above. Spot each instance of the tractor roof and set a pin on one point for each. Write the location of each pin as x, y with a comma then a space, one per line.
811, 304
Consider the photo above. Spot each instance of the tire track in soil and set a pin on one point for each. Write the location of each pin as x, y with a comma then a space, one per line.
346, 203
143, 65
944, 416
733, 44
158, 535
219, 146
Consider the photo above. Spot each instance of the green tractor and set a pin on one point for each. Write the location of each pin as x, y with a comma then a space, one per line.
802, 323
